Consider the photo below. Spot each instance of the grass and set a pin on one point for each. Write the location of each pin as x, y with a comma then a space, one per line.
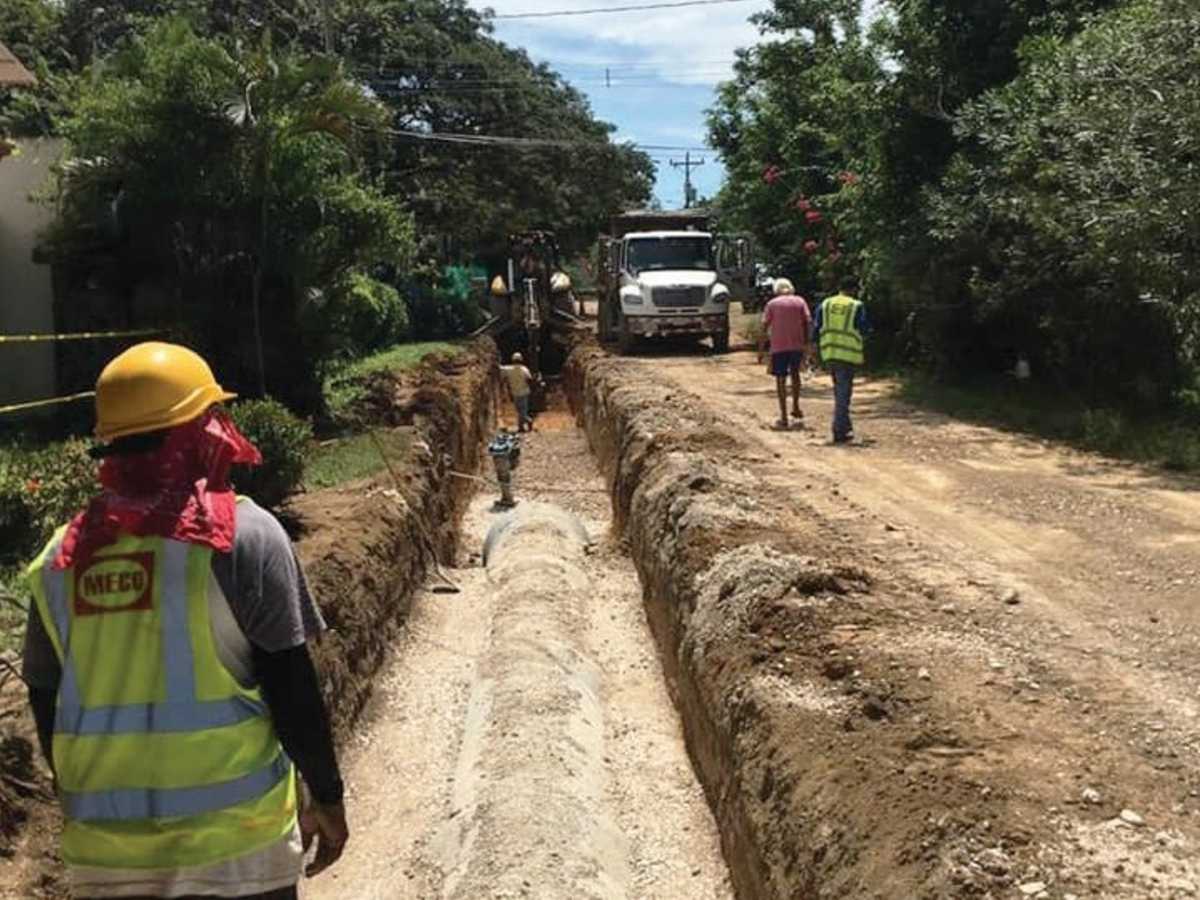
1164, 440
343, 387
354, 457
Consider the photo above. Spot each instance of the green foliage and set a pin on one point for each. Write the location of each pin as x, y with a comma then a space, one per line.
284, 441
442, 305
1071, 213
365, 314
1008, 177
355, 457
344, 387
41, 488
233, 178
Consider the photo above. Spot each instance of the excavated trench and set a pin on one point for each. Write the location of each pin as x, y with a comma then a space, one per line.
522, 742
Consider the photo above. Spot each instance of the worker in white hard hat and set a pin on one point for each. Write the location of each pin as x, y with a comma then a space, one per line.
520, 385
167, 659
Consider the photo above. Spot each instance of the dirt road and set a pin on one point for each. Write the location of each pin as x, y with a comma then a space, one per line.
1061, 606
483, 772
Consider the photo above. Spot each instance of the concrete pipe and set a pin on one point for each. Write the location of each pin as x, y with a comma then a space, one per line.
539, 800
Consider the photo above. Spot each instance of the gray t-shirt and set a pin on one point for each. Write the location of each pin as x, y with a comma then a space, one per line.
258, 595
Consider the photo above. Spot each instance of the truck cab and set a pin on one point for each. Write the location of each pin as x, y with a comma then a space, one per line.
669, 282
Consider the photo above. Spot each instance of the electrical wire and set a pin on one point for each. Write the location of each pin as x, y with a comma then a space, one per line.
550, 14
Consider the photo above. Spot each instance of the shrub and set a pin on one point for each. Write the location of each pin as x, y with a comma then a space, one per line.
1103, 429
41, 489
283, 439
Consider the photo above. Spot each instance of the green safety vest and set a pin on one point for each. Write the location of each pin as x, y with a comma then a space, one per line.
163, 759
840, 338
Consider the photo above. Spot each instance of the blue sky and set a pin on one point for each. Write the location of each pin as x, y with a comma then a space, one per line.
663, 66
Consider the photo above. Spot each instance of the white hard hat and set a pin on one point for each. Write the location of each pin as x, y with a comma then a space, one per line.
560, 282
517, 357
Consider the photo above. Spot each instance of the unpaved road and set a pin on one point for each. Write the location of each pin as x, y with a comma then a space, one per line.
438, 758
1060, 608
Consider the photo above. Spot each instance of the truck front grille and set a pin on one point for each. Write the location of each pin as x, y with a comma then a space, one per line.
675, 297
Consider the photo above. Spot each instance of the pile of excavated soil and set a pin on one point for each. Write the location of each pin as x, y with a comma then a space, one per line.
832, 771
366, 546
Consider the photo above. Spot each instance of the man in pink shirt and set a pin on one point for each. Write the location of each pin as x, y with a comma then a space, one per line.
788, 323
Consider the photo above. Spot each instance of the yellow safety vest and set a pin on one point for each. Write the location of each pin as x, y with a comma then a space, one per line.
840, 337
163, 759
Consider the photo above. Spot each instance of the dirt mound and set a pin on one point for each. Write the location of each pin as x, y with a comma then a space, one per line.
366, 546
833, 773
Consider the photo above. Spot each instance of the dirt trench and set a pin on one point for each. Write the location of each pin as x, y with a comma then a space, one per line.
522, 742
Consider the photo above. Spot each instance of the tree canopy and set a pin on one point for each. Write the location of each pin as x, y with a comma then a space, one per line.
1011, 177
266, 161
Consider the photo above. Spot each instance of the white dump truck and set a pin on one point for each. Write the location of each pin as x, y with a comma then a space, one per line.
664, 274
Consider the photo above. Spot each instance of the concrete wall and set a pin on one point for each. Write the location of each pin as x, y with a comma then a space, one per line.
26, 298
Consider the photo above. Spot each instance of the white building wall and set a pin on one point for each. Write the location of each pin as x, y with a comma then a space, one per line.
26, 297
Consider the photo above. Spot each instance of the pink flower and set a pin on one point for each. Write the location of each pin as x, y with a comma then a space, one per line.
813, 217
772, 174
811, 247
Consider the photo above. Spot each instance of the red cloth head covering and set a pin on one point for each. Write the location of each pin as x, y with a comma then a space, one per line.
180, 491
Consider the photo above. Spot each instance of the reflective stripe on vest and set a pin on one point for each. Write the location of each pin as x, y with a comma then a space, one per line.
840, 337
163, 759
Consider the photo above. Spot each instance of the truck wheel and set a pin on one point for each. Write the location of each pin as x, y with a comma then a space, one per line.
721, 341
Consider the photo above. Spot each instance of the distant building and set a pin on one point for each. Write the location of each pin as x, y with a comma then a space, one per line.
27, 372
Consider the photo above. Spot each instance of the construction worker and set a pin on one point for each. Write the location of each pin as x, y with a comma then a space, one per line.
167, 662
561, 294
786, 326
520, 384
839, 329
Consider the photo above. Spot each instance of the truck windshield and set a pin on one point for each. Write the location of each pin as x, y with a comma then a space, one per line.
651, 254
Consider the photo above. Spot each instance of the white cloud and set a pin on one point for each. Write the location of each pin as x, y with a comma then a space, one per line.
689, 45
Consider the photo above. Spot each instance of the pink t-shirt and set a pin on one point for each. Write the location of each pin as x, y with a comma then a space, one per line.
790, 323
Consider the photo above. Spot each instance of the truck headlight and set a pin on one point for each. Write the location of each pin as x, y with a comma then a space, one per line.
632, 298
720, 297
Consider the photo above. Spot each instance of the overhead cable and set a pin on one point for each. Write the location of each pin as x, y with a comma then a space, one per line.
612, 9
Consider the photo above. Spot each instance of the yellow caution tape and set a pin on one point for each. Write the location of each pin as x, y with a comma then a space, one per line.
38, 404
79, 336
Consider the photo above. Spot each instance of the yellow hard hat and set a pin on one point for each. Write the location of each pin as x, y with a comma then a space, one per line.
153, 386
499, 288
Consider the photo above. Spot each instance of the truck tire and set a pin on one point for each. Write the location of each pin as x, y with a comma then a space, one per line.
721, 341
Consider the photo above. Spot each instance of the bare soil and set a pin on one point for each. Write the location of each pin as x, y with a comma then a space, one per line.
535, 712
944, 662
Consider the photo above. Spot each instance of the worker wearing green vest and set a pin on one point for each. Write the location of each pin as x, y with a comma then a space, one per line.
839, 329
167, 661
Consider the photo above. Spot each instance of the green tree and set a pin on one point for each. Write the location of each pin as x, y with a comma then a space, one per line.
228, 177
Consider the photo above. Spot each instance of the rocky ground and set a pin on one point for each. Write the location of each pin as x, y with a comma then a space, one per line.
1042, 599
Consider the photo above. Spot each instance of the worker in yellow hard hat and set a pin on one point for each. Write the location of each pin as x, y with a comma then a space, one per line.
167, 659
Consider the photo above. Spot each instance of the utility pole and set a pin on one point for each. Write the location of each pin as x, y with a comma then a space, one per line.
689, 193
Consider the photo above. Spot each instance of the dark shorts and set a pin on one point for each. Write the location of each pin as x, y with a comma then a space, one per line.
786, 363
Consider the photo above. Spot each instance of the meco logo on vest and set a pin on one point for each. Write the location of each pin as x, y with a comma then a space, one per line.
115, 584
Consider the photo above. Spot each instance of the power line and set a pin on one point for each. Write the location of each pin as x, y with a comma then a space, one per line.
500, 140
612, 9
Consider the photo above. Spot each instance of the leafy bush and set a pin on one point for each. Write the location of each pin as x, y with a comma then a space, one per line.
41, 489
283, 439
363, 315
